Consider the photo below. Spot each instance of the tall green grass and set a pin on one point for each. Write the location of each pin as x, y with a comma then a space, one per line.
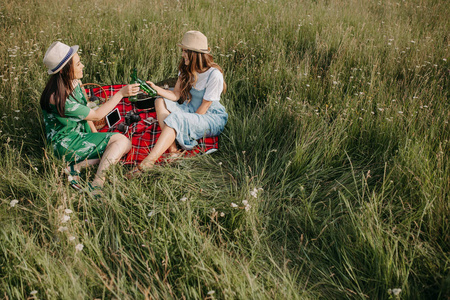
337, 143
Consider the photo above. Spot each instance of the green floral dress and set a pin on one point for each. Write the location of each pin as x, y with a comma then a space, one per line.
71, 136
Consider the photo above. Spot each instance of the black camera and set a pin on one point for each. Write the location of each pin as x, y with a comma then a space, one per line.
130, 118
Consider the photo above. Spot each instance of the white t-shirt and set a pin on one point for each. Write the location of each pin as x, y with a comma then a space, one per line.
215, 84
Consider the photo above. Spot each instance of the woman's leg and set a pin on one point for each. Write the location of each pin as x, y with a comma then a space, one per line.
85, 163
118, 146
165, 140
161, 113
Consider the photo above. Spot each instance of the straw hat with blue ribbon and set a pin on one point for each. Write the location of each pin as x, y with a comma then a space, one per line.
57, 56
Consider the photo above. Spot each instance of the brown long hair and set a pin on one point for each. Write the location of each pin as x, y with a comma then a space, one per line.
58, 87
198, 63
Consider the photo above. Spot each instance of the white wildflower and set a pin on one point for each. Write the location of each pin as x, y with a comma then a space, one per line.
62, 229
234, 205
33, 292
13, 203
211, 292
79, 247
245, 202
222, 214
395, 291
255, 192
151, 213
183, 199
68, 211
65, 218
247, 207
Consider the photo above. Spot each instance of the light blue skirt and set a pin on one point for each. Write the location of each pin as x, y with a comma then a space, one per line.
190, 126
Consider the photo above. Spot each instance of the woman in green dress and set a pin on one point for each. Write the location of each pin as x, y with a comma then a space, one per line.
69, 122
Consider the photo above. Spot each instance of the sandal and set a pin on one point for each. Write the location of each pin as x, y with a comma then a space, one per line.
95, 190
73, 176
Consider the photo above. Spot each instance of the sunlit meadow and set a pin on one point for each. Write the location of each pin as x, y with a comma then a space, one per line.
331, 182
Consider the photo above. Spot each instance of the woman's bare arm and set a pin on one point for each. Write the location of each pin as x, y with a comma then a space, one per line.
203, 108
168, 94
104, 109
92, 126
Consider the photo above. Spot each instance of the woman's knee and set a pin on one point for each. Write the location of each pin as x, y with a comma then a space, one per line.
161, 107
160, 104
121, 140
126, 142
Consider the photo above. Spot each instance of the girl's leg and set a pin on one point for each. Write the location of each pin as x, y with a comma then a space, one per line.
73, 172
85, 163
165, 140
117, 147
161, 113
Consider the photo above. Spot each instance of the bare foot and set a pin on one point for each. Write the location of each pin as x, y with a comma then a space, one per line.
173, 148
139, 170
98, 181
172, 156
143, 166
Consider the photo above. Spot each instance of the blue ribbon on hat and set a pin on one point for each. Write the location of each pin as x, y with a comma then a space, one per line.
63, 61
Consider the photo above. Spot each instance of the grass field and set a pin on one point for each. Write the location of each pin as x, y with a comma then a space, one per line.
336, 154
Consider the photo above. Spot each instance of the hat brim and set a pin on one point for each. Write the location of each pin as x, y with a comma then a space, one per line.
74, 50
194, 49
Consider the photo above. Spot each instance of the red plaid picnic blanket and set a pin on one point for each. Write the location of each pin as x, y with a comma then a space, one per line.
145, 133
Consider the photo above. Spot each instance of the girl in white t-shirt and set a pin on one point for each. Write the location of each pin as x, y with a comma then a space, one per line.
200, 84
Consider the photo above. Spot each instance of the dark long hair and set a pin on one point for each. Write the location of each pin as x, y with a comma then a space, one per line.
58, 87
198, 63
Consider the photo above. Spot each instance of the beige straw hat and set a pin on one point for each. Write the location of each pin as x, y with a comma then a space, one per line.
195, 41
57, 56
